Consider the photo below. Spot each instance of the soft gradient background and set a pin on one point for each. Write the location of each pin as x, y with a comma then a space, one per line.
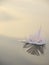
19, 19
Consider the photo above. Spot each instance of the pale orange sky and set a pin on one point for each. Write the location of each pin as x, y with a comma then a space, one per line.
20, 18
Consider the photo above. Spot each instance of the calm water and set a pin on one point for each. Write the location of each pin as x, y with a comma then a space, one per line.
18, 19
12, 53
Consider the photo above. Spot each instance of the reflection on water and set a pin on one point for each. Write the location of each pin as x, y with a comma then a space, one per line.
35, 49
12, 53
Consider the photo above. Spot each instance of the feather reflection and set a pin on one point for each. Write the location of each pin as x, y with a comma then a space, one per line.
35, 49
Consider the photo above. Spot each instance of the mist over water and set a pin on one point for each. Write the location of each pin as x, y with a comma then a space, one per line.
19, 19
12, 53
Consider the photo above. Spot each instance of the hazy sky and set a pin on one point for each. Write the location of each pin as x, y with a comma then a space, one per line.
19, 18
